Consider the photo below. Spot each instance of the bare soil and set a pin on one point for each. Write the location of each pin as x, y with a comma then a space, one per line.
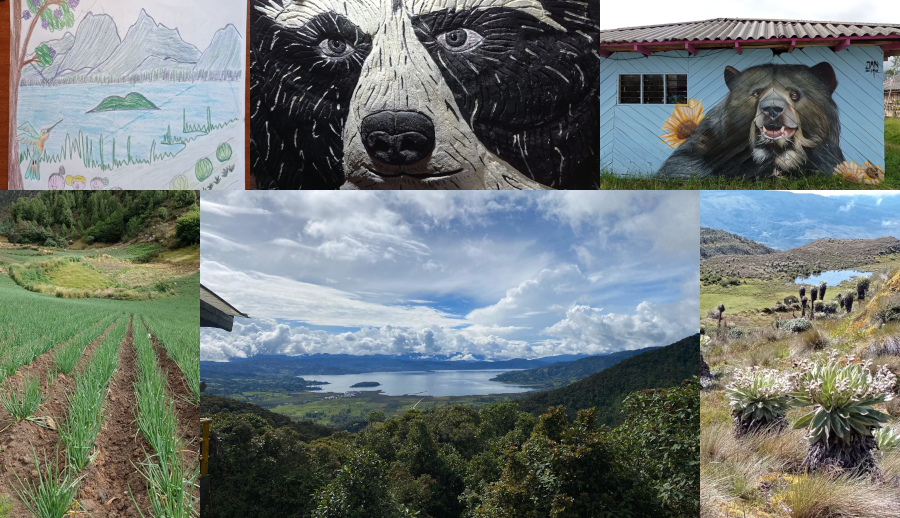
17, 441
105, 488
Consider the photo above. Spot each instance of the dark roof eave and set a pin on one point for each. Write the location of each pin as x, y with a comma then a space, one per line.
730, 42
211, 292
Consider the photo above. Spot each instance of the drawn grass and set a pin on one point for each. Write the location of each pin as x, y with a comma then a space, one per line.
83, 147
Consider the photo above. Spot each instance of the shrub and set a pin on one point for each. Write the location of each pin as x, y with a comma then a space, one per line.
187, 228
223, 152
791, 299
797, 325
49, 243
203, 169
812, 339
759, 399
843, 395
109, 230
735, 332
163, 213
183, 198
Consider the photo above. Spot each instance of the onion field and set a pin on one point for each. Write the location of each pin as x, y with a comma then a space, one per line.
99, 404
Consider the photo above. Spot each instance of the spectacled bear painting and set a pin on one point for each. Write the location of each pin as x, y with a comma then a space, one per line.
405, 94
776, 120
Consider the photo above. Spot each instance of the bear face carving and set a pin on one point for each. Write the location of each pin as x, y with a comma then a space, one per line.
461, 94
775, 120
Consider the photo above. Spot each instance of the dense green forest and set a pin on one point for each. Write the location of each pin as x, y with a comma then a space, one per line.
458, 462
62, 218
306, 430
561, 374
657, 368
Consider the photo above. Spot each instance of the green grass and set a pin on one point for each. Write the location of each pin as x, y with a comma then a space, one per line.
892, 151
78, 275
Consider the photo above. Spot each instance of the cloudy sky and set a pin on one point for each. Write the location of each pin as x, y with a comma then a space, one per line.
468, 275
652, 12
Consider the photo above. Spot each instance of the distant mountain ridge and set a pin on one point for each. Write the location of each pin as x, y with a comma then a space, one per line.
563, 373
149, 51
279, 365
659, 368
786, 220
715, 242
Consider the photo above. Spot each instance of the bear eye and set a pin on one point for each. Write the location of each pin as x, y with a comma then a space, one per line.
335, 48
460, 40
795, 96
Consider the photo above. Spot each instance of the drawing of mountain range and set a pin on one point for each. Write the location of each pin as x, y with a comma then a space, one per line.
149, 52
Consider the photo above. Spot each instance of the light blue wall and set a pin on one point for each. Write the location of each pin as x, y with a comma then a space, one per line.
630, 134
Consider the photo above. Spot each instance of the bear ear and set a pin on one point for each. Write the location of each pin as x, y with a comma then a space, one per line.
825, 73
731, 74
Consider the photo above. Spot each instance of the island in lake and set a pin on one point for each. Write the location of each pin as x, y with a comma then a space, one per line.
132, 101
365, 384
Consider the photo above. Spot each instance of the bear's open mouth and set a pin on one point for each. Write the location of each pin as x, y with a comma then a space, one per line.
776, 133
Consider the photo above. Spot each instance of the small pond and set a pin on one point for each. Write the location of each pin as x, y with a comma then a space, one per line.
831, 277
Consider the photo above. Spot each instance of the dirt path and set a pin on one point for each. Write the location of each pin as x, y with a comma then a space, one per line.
17, 440
188, 414
105, 488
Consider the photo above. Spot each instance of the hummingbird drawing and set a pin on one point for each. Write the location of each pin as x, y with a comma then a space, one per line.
34, 140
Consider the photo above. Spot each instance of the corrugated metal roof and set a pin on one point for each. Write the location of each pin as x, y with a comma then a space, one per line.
206, 295
891, 83
745, 29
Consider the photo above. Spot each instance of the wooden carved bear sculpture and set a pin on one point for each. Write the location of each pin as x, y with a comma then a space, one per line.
451, 94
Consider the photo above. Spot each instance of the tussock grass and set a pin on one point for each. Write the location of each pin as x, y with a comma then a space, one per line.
819, 496
637, 181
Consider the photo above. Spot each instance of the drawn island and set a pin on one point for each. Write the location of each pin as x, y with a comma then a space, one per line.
132, 101
366, 384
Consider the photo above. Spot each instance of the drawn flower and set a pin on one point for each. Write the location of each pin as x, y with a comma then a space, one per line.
36, 3
44, 23
73, 4
681, 125
57, 13
52, 52
26, 15
852, 172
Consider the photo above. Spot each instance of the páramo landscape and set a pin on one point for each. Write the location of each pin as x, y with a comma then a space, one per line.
99, 365
800, 305
450, 355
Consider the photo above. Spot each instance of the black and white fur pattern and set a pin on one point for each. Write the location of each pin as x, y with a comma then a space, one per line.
509, 87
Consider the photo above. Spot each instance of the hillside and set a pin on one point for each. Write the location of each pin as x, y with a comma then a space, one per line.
715, 242
660, 368
308, 431
561, 374
817, 256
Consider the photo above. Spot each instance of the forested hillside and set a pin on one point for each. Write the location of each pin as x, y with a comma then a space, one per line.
456, 462
715, 242
78, 219
306, 431
561, 374
659, 368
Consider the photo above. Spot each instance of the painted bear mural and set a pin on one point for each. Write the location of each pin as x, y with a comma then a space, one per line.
451, 94
775, 120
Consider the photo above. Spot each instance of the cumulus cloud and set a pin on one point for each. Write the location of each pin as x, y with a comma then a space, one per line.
589, 330
848, 207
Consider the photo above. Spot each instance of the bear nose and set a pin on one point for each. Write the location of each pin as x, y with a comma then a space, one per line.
397, 137
773, 111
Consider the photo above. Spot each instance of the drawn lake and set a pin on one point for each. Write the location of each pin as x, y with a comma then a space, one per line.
435, 383
174, 100
831, 277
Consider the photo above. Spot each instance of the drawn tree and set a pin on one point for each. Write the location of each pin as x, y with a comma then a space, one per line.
53, 15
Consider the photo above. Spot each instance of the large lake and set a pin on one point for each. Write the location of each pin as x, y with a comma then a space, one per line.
831, 277
434, 383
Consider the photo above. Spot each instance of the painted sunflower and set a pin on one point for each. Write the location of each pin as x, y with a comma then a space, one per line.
681, 125
869, 173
